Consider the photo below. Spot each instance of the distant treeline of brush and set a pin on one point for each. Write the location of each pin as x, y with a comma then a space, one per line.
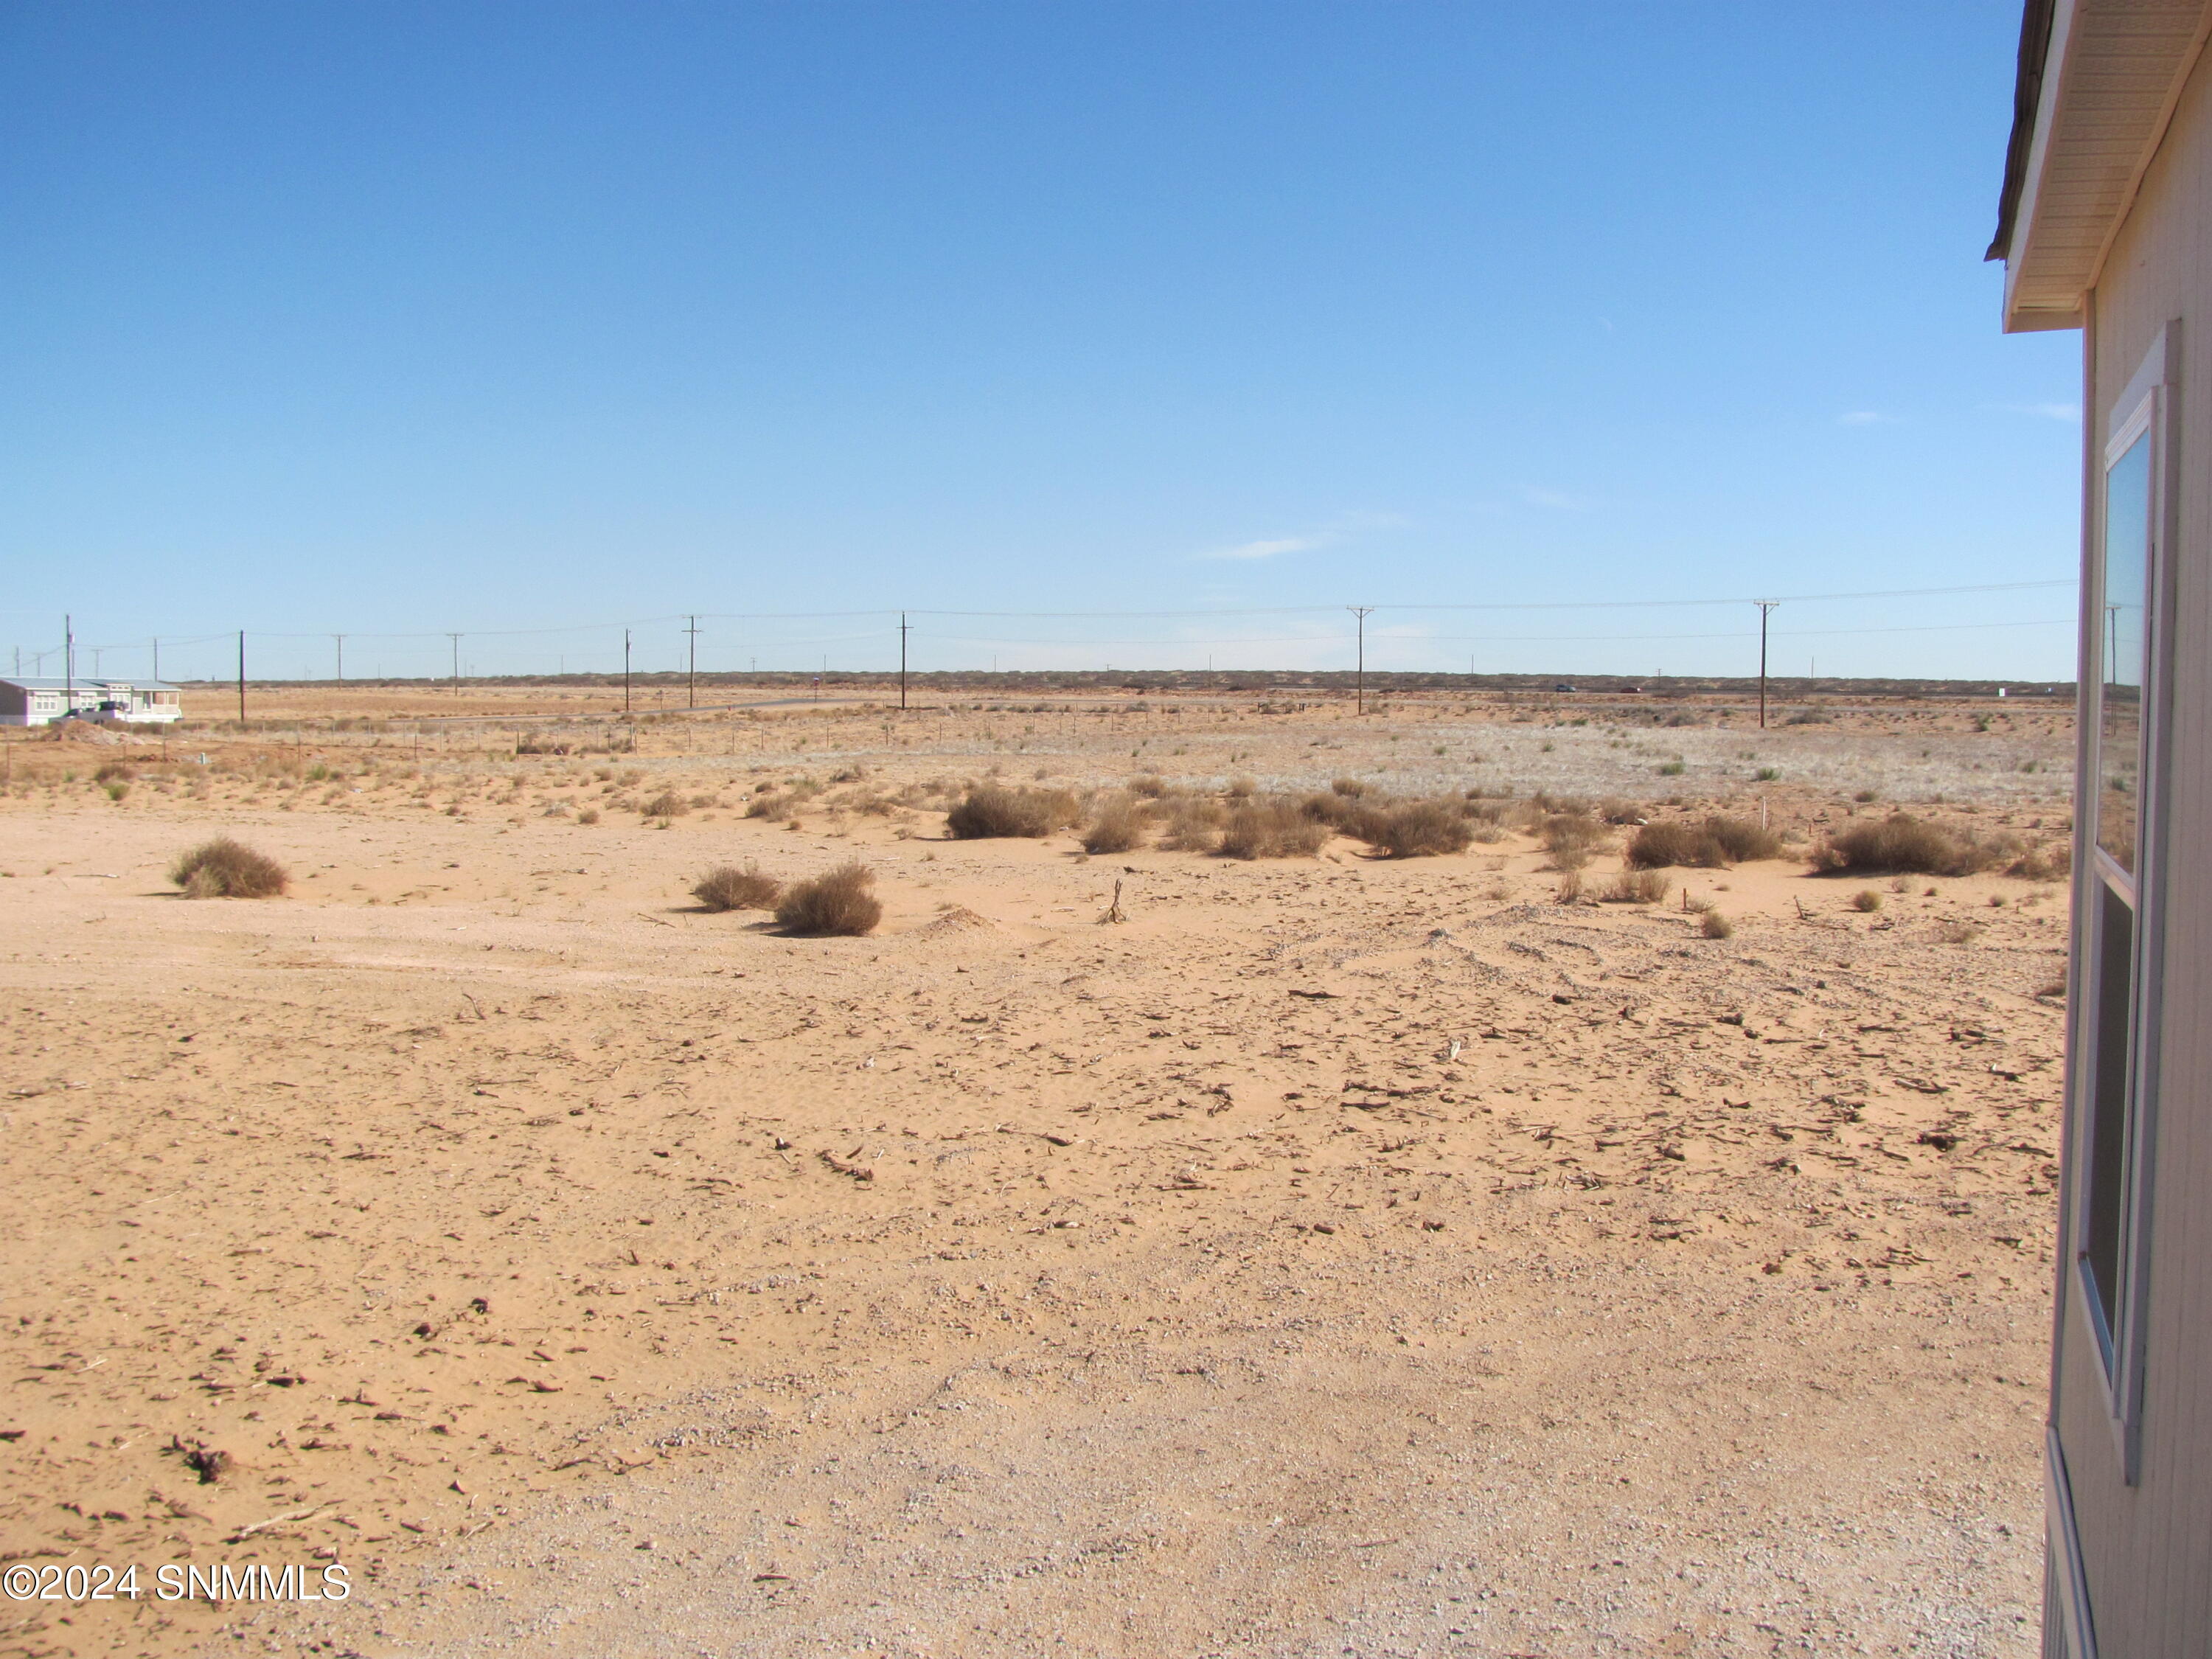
1252, 682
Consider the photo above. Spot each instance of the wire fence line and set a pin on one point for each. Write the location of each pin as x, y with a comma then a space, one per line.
1396, 638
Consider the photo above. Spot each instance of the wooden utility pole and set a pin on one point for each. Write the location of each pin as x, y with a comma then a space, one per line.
1765, 609
902, 634
625, 670
241, 679
340, 638
691, 684
456, 639
1359, 681
68, 666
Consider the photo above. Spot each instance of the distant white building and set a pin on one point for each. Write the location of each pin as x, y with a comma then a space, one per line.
131, 702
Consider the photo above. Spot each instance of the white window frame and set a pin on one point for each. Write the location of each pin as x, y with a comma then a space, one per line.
2149, 405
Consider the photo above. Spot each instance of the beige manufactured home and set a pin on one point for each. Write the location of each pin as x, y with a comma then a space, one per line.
2106, 226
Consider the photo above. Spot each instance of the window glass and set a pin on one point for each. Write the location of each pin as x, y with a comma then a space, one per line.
2119, 736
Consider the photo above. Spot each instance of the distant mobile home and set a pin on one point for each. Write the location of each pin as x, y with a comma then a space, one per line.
131, 702
2105, 225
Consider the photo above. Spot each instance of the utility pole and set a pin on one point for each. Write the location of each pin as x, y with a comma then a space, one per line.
340, 638
1765, 609
902, 634
456, 639
691, 674
68, 666
1359, 683
157, 657
241, 679
625, 670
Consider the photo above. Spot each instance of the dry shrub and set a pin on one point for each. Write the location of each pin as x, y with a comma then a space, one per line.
1151, 786
1636, 887
1570, 890
769, 805
2043, 863
1903, 844
1272, 830
1717, 926
1716, 842
1570, 838
667, 805
1193, 825
992, 812
1350, 788
1865, 900
728, 888
589, 815
1117, 826
1743, 842
837, 901
1414, 829
1242, 788
1656, 846
224, 868
1620, 813
115, 772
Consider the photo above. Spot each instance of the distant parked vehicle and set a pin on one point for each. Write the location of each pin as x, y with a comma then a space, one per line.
1563, 686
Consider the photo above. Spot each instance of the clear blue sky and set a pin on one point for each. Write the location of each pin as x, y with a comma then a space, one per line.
395, 319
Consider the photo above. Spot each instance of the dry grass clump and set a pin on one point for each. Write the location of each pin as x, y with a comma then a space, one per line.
115, 772
2043, 863
838, 901
990, 812
1116, 825
1151, 786
1271, 830
726, 887
1193, 825
665, 804
1716, 842
1415, 829
1717, 926
1903, 844
1350, 788
1865, 900
1636, 887
1570, 838
224, 868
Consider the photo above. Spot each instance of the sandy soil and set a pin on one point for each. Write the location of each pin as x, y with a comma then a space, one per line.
1337, 1255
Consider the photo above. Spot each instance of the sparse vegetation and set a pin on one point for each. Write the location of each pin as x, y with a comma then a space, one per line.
665, 804
1636, 887
838, 901
1866, 899
1713, 925
726, 887
224, 868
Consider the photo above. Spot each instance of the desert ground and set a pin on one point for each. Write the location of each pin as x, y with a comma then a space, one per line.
1144, 1252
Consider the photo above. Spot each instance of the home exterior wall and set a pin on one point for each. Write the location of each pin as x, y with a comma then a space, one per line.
2146, 1548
